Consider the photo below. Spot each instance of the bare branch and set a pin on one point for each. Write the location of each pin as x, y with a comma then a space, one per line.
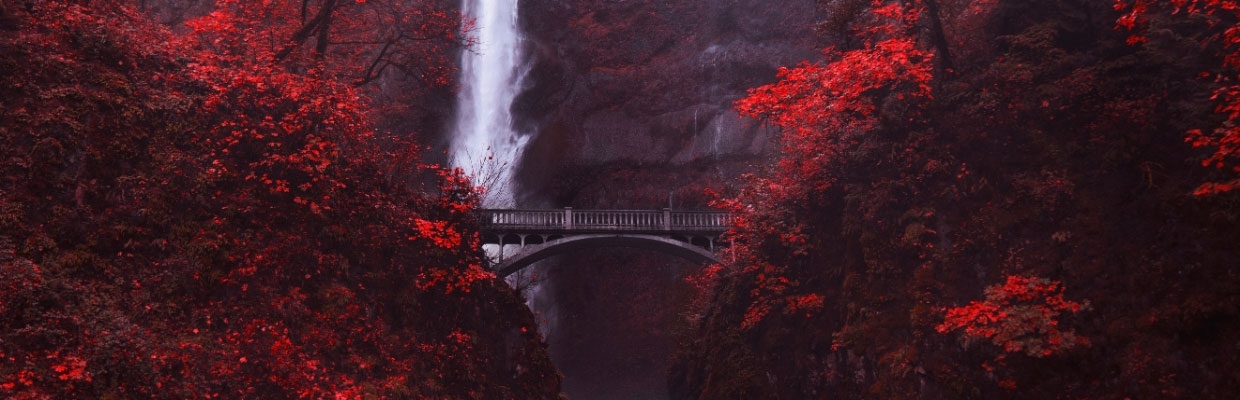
320, 21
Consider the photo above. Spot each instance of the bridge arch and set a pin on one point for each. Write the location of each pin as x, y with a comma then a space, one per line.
530, 254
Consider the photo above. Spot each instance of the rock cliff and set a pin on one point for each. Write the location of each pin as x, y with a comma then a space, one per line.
630, 106
646, 87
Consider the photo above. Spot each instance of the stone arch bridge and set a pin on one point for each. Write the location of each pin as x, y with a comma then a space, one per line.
693, 235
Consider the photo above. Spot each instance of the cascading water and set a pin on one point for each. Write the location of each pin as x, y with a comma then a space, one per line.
484, 143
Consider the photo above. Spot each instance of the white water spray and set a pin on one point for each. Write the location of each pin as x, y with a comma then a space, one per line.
484, 143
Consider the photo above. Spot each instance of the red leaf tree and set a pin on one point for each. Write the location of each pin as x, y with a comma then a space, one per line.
824, 111
1020, 316
1224, 17
209, 221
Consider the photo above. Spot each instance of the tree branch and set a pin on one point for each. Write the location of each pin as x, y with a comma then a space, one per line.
370, 75
321, 20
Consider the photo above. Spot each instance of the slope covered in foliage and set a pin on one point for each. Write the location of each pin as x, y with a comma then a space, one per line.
183, 220
987, 200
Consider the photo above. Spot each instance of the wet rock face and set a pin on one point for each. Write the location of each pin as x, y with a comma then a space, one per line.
649, 83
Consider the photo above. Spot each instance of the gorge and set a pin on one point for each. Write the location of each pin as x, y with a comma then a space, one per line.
626, 105
630, 105
921, 199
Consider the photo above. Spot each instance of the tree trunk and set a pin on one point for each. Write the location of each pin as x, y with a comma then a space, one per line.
943, 56
321, 20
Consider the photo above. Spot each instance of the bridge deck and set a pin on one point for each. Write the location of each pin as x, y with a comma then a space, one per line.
569, 220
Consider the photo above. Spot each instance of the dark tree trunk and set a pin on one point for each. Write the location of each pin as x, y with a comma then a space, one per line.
943, 56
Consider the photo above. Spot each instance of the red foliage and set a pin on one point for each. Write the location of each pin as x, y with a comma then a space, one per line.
1225, 138
1044, 153
354, 41
187, 222
1021, 316
824, 111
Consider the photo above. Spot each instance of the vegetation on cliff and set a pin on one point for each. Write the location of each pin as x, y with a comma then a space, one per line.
973, 199
213, 215
987, 199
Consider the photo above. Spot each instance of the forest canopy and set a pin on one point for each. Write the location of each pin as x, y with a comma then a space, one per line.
202, 215
969, 199
987, 199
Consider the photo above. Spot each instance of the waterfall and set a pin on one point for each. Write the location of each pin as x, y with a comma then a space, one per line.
484, 143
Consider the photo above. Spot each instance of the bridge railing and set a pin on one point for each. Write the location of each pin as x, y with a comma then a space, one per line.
700, 221
569, 219
534, 219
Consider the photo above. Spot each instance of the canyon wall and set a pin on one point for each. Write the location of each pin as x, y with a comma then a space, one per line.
620, 90
630, 106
